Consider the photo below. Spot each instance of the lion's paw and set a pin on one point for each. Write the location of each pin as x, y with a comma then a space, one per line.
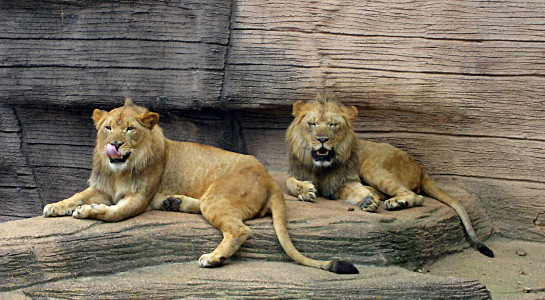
403, 202
210, 261
182, 203
308, 192
56, 210
370, 203
419, 200
393, 204
86, 211
172, 204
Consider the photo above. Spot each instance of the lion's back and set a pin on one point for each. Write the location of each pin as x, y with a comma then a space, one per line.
191, 167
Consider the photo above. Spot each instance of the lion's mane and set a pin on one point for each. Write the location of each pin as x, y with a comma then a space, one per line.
346, 163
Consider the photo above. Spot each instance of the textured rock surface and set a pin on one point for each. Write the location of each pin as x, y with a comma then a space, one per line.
256, 280
508, 276
460, 91
82, 52
39, 250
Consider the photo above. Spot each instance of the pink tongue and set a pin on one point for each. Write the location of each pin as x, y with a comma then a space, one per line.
111, 152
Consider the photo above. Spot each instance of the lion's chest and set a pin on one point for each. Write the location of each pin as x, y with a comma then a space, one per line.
327, 180
117, 188
326, 188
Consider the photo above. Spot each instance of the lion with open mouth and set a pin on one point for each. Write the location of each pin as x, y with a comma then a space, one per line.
326, 159
135, 168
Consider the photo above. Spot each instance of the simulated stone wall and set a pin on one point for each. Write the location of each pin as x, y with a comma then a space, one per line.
458, 84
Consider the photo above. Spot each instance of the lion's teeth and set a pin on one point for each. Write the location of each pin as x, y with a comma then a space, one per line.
322, 152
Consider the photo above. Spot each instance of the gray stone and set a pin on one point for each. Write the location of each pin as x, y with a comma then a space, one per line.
256, 280
39, 250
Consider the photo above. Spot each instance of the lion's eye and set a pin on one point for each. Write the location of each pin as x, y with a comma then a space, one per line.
130, 128
108, 127
333, 125
311, 124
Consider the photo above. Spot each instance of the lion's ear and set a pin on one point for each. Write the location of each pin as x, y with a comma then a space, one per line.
297, 108
128, 102
98, 117
351, 113
149, 119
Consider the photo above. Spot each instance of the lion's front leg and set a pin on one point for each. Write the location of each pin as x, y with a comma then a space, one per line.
303, 190
66, 207
367, 198
127, 207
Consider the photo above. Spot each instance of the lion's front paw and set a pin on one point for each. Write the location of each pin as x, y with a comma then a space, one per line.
56, 210
89, 211
210, 261
308, 192
370, 203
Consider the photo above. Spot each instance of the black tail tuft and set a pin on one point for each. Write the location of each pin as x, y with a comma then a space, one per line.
484, 250
342, 267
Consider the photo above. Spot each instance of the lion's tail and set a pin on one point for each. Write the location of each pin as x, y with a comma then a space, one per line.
430, 188
278, 208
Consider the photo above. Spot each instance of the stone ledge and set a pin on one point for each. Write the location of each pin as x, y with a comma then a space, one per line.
256, 280
39, 249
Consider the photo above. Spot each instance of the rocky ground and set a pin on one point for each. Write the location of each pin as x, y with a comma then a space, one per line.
153, 256
516, 272
255, 280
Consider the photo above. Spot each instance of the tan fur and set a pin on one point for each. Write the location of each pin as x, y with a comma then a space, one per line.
226, 187
325, 126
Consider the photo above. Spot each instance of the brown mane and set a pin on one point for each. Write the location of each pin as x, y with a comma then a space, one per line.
301, 165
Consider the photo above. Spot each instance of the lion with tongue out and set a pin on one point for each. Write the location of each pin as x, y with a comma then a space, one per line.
135, 168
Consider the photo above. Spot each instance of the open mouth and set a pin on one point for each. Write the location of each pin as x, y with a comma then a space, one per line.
114, 155
323, 154
119, 160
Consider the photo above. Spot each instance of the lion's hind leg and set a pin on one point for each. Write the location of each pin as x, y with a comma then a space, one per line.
227, 213
227, 204
235, 233
366, 197
387, 183
403, 200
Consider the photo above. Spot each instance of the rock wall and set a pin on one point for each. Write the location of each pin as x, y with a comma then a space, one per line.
458, 84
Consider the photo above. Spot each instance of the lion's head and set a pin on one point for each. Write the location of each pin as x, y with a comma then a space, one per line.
321, 133
125, 137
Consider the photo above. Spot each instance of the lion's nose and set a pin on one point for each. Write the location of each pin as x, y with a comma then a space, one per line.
322, 139
116, 144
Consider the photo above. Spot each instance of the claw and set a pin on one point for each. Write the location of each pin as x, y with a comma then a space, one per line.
307, 198
369, 209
